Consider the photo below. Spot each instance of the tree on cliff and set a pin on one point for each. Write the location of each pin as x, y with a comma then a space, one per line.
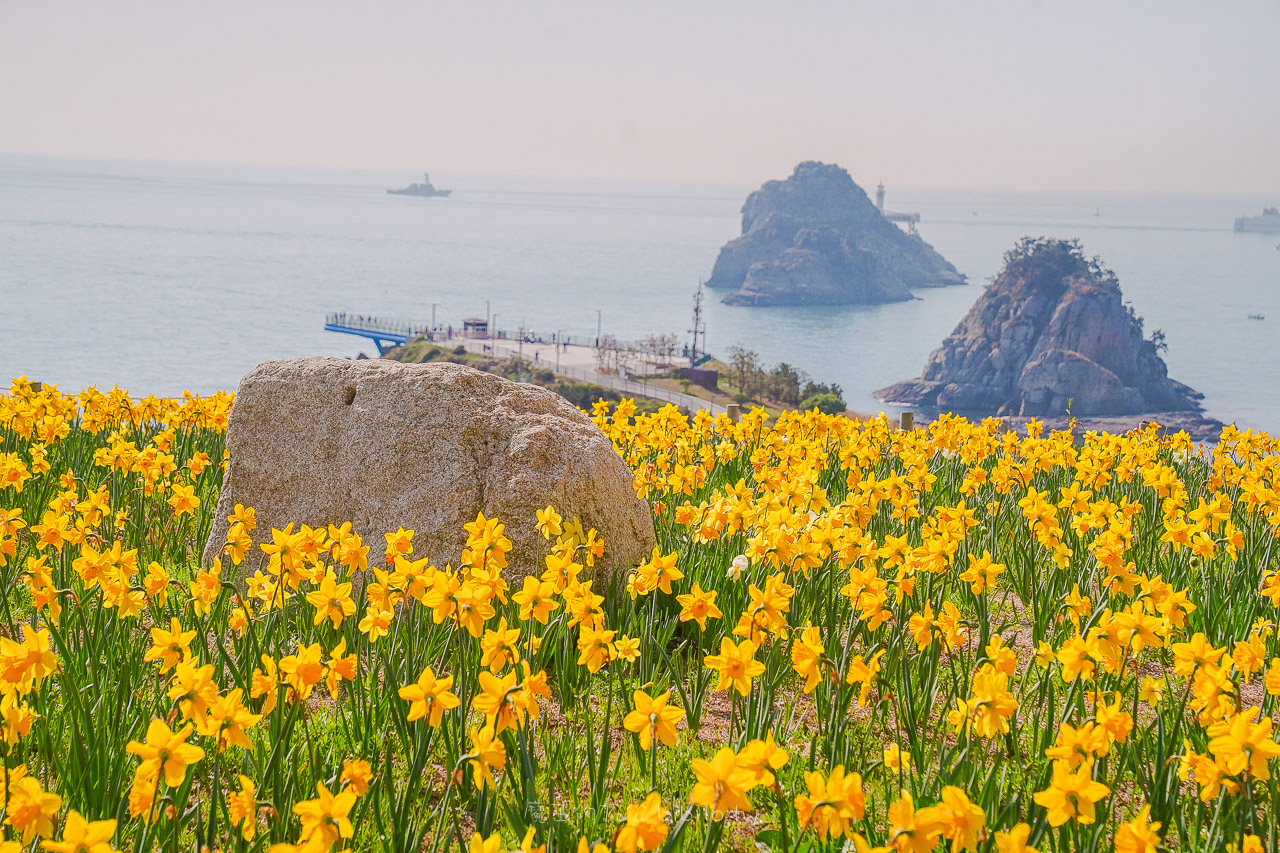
781, 384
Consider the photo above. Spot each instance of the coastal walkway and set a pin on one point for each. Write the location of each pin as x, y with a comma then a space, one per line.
384, 333
576, 361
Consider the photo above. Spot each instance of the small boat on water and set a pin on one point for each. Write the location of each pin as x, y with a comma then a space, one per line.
1267, 223
1256, 317
424, 189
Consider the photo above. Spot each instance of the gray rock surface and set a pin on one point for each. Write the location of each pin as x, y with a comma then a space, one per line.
816, 239
382, 444
1051, 329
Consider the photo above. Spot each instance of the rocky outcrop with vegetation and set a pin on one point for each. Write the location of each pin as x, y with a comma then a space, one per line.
1049, 336
816, 238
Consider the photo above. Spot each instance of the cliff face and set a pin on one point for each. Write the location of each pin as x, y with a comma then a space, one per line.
816, 238
1051, 328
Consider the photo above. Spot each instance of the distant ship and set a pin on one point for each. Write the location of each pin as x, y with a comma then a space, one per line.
424, 189
1268, 222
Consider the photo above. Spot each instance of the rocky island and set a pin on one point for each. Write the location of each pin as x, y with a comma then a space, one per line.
1050, 336
816, 239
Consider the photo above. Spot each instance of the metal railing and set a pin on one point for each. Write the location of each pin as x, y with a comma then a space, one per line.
402, 332
402, 329
367, 323
532, 337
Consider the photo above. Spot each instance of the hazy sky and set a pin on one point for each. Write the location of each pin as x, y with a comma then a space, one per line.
1159, 95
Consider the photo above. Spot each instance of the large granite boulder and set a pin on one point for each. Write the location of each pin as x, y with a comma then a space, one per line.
816, 238
382, 444
1050, 330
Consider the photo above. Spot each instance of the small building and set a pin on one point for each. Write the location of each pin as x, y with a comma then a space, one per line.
475, 327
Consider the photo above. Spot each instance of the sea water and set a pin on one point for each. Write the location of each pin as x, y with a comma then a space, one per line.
165, 277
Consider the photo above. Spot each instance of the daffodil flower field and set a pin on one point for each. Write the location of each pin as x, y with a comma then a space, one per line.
848, 637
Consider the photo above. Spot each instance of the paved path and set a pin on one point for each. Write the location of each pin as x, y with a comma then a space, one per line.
579, 362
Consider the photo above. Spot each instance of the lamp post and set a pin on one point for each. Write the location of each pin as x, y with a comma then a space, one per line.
559, 346
598, 327
487, 327
434, 305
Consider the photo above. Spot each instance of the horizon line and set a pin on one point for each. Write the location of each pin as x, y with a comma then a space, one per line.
721, 182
